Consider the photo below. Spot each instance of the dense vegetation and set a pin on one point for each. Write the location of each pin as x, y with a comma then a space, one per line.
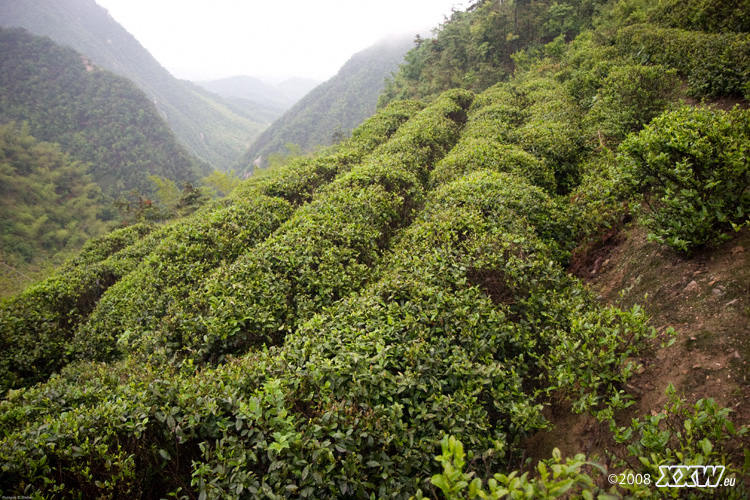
325, 330
98, 118
49, 205
329, 112
207, 126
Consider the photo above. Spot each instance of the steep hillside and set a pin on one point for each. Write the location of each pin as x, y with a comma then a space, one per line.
203, 123
100, 119
331, 110
416, 311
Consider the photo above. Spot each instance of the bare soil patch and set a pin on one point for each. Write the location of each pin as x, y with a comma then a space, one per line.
705, 298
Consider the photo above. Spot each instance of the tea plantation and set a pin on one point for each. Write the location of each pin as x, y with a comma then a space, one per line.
326, 331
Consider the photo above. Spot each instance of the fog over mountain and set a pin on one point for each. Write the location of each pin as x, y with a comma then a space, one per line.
333, 109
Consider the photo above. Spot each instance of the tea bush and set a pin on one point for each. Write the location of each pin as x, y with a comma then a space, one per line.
551, 130
683, 434
186, 253
324, 252
629, 98
692, 167
714, 64
36, 326
486, 143
680, 434
298, 181
450, 335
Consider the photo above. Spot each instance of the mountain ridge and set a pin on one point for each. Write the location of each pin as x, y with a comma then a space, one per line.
333, 108
208, 131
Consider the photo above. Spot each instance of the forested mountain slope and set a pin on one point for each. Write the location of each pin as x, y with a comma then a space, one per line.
400, 317
75, 138
332, 109
99, 118
202, 122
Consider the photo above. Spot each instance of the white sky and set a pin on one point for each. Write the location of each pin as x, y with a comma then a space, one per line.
206, 39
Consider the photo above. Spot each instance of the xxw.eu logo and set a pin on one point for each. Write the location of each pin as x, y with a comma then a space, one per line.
692, 476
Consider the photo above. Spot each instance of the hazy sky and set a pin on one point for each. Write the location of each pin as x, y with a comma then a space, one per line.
200, 39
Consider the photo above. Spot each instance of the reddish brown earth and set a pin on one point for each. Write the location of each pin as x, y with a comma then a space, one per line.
705, 298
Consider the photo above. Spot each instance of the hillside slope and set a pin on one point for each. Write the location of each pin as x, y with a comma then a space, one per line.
411, 313
334, 108
203, 123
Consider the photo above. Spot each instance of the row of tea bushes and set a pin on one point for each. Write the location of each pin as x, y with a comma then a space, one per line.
459, 333
468, 330
324, 252
715, 64
298, 181
186, 253
486, 144
37, 327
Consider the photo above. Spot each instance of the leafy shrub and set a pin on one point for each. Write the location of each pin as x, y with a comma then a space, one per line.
475, 154
692, 167
682, 434
556, 479
584, 66
699, 434
36, 327
601, 200
714, 64
187, 252
551, 130
714, 16
630, 97
323, 253
298, 181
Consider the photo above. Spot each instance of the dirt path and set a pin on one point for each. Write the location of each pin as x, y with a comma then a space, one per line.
705, 298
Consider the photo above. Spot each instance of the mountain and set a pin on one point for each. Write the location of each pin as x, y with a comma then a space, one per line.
99, 118
254, 98
73, 137
279, 96
332, 109
536, 289
203, 122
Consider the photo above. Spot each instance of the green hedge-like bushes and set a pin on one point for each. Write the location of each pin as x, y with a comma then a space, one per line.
458, 333
539, 116
552, 129
37, 326
187, 252
692, 167
488, 142
475, 154
714, 64
298, 181
324, 252
630, 97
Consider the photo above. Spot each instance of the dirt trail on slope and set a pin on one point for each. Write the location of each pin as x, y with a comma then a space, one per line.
705, 298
